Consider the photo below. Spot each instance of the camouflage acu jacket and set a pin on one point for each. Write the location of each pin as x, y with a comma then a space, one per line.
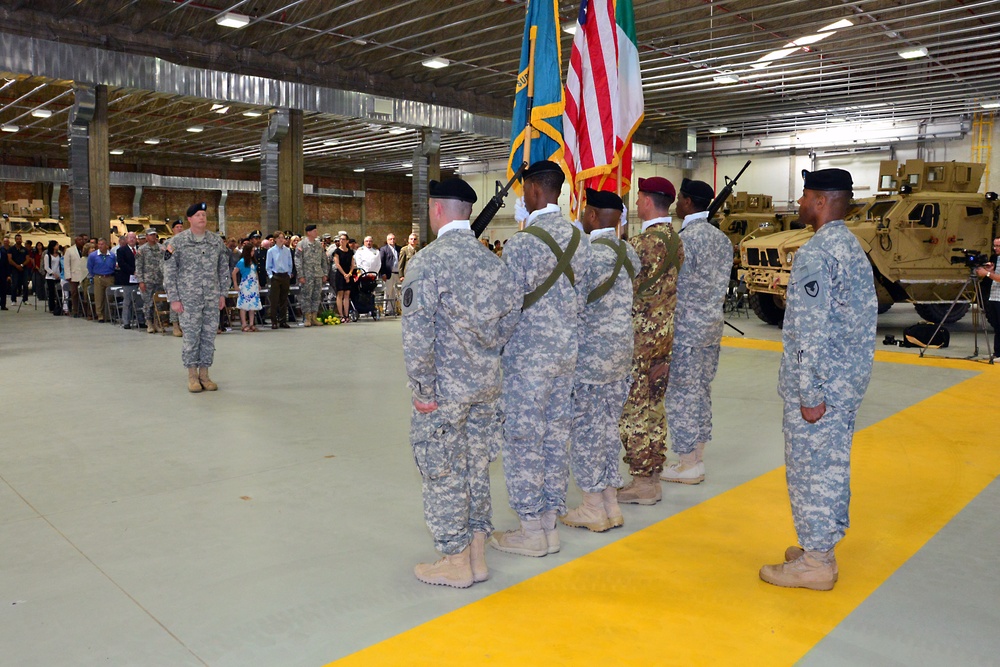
149, 264
196, 270
702, 284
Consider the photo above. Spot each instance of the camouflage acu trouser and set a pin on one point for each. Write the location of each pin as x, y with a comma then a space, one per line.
309, 294
818, 470
644, 425
147, 301
453, 447
199, 322
538, 418
689, 396
597, 409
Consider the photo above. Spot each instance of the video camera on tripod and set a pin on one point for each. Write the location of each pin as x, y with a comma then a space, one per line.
970, 258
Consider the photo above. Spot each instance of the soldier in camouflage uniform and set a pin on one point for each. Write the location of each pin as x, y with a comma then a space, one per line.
604, 355
196, 275
149, 273
828, 343
547, 259
644, 424
460, 305
701, 291
312, 267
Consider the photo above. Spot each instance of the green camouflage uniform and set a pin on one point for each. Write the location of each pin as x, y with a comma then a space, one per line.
149, 270
312, 264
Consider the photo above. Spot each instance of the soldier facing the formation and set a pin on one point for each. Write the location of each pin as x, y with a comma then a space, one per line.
548, 258
701, 291
312, 267
604, 355
460, 305
644, 424
829, 349
196, 276
149, 273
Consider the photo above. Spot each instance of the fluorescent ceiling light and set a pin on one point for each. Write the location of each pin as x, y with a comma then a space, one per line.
435, 63
236, 159
196, 128
767, 58
842, 23
397, 130
410, 175
837, 120
809, 39
719, 130
151, 142
41, 113
10, 128
570, 28
990, 105
462, 158
331, 142
233, 20
253, 113
910, 54
117, 151
359, 170
360, 42
407, 165
218, 108
725, 77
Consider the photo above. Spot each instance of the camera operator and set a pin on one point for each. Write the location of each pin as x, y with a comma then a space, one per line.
993, 300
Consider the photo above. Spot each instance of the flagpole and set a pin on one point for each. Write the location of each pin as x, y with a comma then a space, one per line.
531, 102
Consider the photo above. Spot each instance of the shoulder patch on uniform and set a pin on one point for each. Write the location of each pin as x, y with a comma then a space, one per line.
811, 288
408, 297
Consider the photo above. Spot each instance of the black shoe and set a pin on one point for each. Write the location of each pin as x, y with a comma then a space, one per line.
284, 325
4, 308
274, 325
127, 326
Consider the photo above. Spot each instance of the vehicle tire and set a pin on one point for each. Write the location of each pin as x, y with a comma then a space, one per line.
934, 312
884, 308
765, 306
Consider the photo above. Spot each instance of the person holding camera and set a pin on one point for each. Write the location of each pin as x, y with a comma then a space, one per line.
992, 303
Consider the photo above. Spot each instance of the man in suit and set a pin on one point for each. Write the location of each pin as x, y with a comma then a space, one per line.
389, 272
125, 278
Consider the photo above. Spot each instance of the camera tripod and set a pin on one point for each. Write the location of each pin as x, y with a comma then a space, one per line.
978, 315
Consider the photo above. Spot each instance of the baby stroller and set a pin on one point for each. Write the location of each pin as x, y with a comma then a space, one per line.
363, 296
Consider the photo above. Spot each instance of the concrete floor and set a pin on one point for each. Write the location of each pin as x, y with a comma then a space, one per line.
276, 522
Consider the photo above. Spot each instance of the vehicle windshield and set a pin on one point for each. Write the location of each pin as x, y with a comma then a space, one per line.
49, 227
161, 229
20, 226
880, 208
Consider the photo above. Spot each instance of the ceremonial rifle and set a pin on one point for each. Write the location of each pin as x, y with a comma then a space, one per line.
725, 193
495, 204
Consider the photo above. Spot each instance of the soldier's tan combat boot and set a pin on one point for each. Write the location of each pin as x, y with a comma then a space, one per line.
177, 330
642, 490
551, 530
686, 471
316, 321
610, 498
528, 540
205, 381
194, 386
454, 570
792, 553
308, 319
478, 558
815, 570
590, 515
150, 327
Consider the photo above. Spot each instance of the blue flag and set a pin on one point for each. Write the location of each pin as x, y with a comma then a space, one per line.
540, 73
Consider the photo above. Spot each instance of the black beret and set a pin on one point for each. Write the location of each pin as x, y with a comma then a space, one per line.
828, 179
309, 228
177, 222
604, 199
194, 208
697, 190
254, 234
452, 188
540, 167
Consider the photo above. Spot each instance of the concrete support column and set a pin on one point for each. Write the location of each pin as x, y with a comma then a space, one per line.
426, 167
291, 201
100, 169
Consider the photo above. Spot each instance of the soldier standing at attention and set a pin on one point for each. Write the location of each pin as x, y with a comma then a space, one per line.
548, 258
312, 267
149, 273
460, 305
601, 384
701, 291
175, 320
196, 275
828, 343
644, 423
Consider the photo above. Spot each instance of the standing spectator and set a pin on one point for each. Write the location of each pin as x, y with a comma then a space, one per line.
17, 262
407, 253
248, 302
389, 272
50, 265
701, 290
196, 273
149, 273
4, 272
235, 252
497, 248
312, 267
367, 257
279, 273
126, 279
992, 295
828, 350
343, 267
36, 256
259, 258
177, 227
101, 267
76, 271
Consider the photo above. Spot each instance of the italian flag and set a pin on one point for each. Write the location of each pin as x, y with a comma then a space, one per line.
630, 102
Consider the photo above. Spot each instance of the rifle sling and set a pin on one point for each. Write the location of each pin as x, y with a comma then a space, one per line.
562, 263
673, 244
621, 261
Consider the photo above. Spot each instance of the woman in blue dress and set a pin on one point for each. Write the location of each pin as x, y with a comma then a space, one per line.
245, 275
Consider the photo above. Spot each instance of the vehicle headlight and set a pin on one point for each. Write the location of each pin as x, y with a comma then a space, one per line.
788, 257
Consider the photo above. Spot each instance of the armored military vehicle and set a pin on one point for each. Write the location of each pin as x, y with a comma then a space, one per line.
915, 232
122, 226
30, 219
752, 215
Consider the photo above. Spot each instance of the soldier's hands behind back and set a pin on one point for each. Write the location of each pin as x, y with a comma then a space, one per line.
176, 307
813, 415
424, 408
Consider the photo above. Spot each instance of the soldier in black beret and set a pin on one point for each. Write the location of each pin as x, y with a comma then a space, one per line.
194, 208
700, 192
452, 188
604, 200
828, 180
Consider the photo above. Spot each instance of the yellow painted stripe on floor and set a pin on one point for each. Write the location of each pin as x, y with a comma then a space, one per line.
685, 591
